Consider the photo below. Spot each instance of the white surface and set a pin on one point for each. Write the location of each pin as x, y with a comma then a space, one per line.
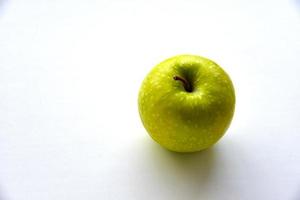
69, 77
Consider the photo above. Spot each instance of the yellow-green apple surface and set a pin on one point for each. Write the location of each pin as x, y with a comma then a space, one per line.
186, 103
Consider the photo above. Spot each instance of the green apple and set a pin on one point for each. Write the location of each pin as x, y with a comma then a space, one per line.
186, 103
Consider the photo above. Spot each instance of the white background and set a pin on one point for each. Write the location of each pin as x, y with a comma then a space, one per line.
70, 71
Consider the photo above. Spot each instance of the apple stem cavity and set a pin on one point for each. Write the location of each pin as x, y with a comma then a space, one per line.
187, 86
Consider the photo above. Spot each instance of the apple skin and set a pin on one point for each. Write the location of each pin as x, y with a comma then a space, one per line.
185, 121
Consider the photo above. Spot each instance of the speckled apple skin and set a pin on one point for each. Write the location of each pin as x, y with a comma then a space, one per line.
184, 121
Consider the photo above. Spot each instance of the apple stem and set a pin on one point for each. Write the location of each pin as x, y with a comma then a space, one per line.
187, 86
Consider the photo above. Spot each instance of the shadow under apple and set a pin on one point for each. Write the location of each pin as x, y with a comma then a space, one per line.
180, 173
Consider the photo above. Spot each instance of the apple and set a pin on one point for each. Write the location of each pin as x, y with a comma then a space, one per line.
186, 103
